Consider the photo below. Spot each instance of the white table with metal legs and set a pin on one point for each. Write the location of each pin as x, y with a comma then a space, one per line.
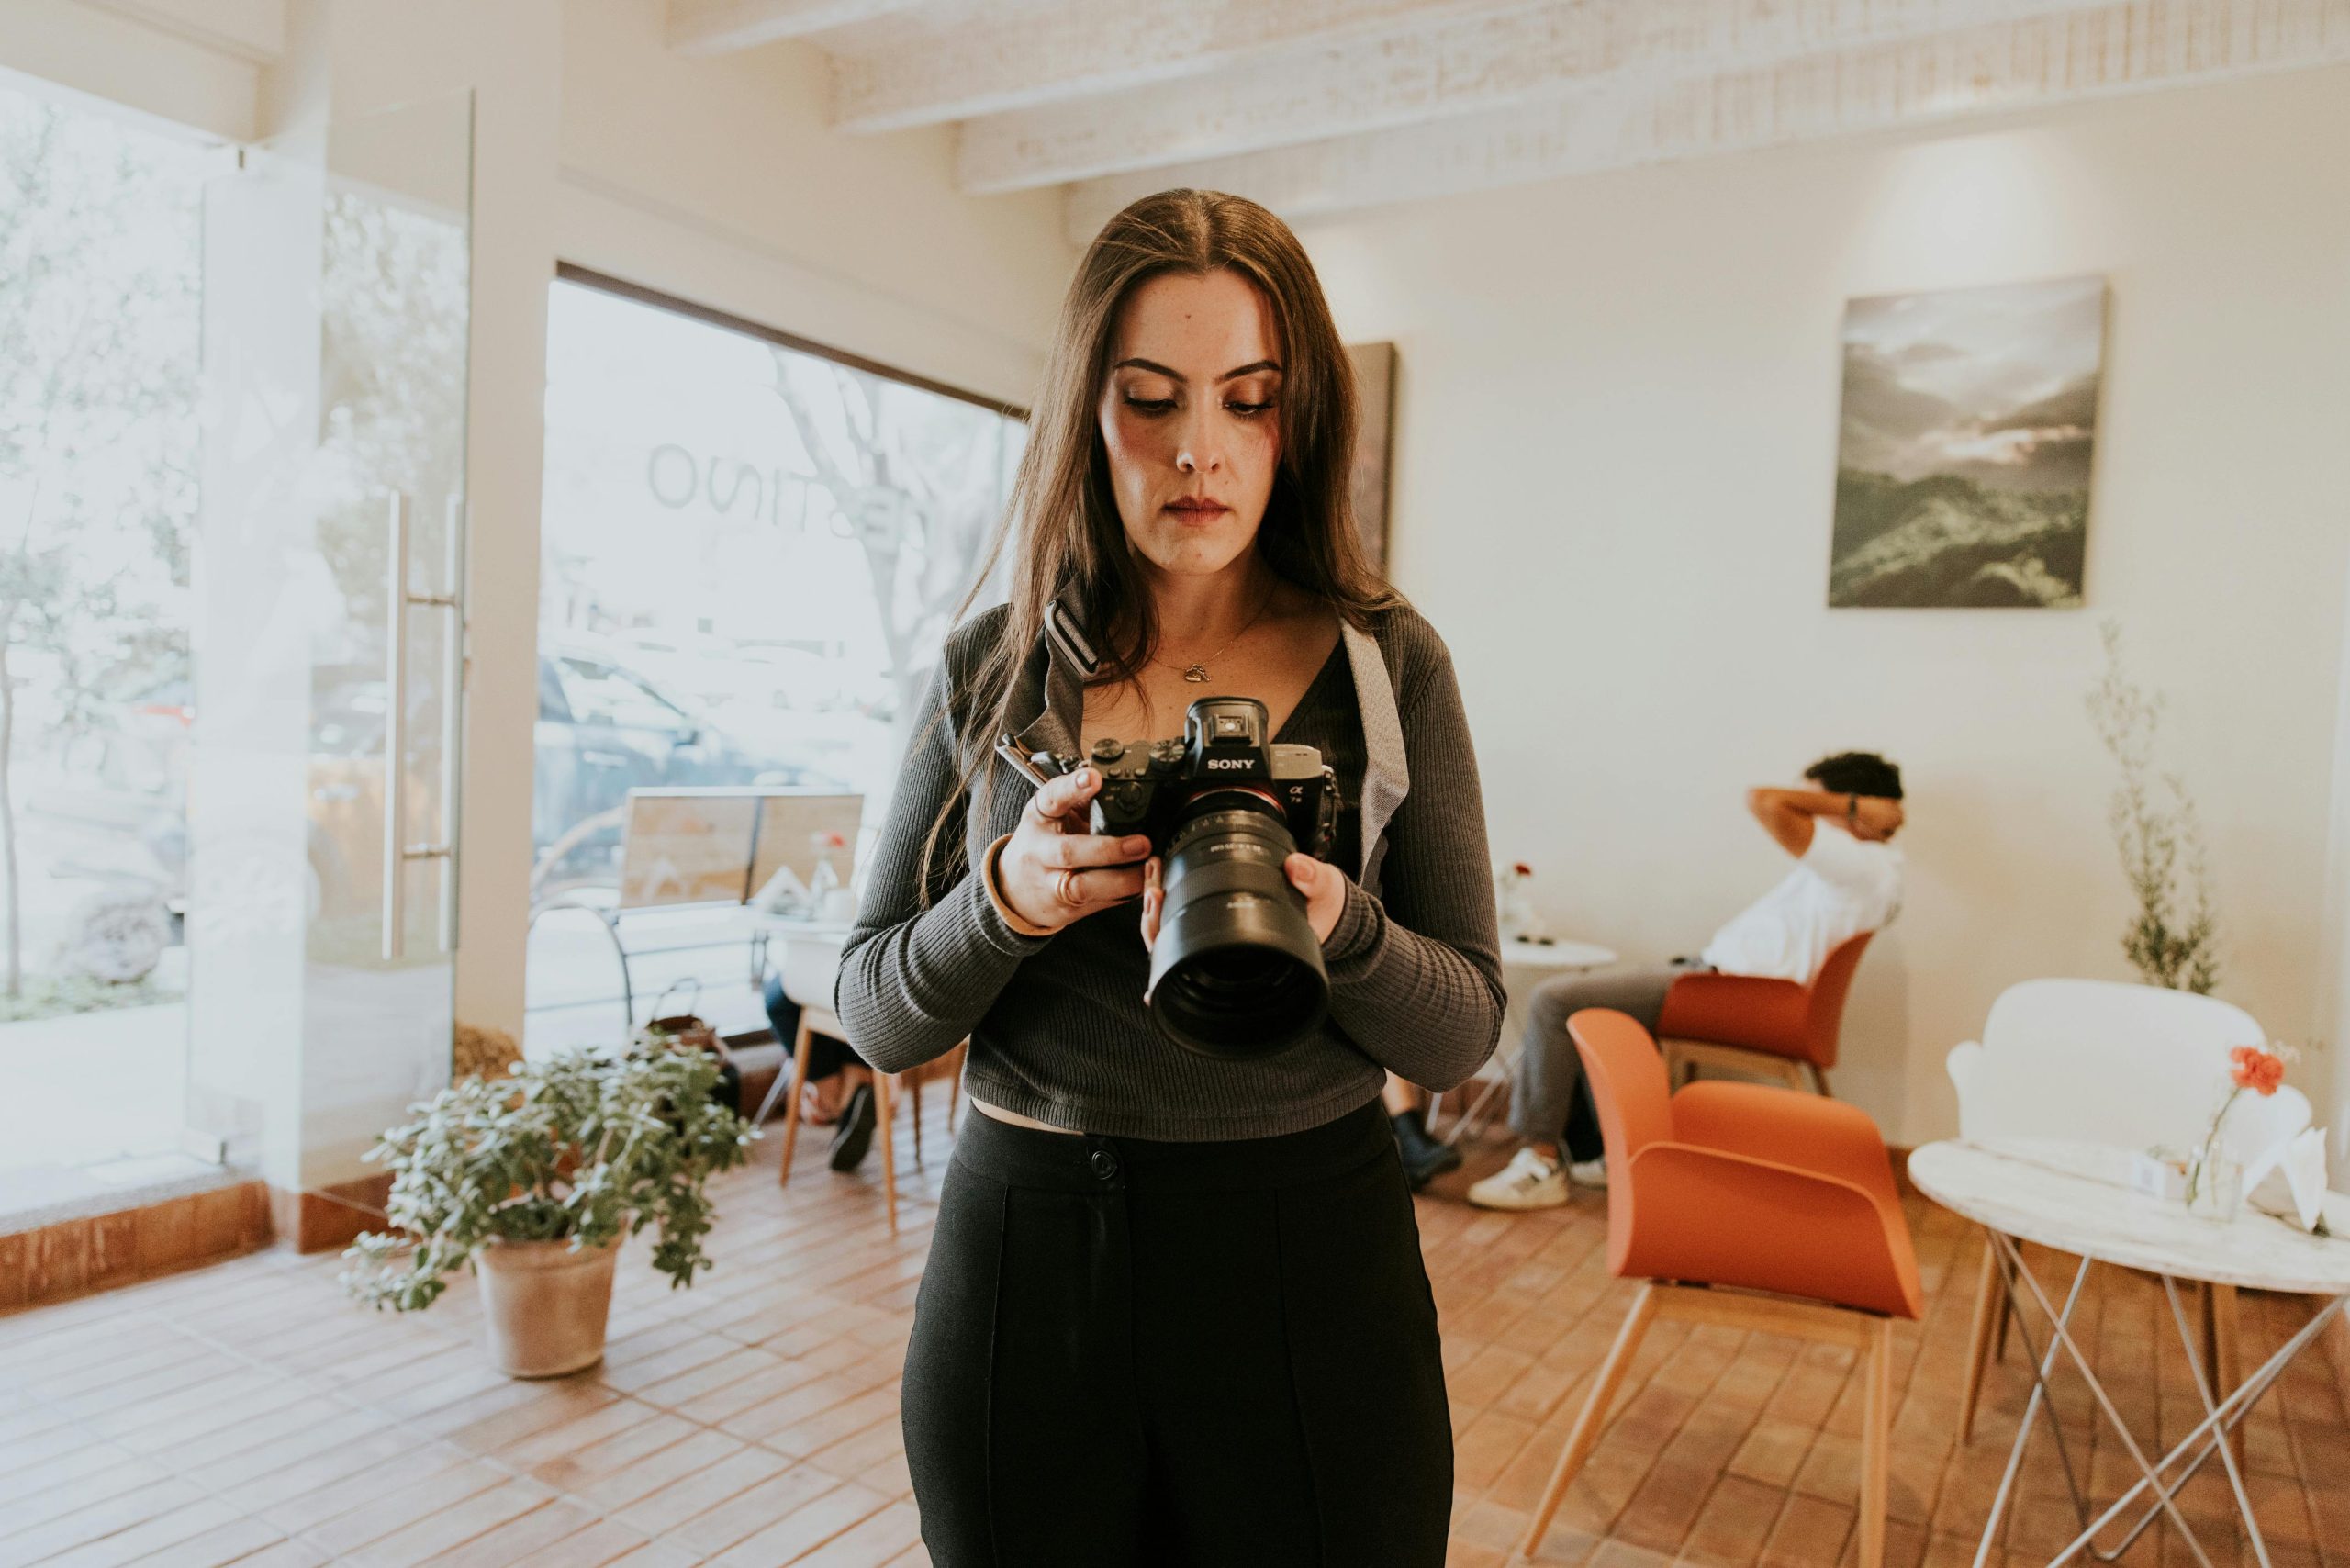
2076, 1198
1546, 958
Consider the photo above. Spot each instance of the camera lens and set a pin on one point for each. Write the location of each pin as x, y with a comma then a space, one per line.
1237, 971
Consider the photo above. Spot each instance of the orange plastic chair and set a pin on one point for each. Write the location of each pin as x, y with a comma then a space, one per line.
1752, 1188
1747, 1021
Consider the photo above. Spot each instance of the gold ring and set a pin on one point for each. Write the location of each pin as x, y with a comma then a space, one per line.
1067, 897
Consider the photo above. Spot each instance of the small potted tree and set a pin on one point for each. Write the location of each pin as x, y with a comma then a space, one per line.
534, 1178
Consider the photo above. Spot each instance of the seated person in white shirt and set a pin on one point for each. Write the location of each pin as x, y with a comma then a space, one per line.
1847, 880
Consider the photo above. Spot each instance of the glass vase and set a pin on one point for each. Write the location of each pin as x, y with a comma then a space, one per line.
2214, 1185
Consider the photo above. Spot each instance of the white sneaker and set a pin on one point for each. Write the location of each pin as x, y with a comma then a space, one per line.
1527, 1182
1592, 1173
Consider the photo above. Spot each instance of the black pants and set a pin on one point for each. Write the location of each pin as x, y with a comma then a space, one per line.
1129, 1352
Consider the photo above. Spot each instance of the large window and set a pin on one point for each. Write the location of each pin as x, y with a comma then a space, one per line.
99, 312
750, 550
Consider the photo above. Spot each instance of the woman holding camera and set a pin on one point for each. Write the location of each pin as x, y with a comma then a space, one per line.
1175, 1310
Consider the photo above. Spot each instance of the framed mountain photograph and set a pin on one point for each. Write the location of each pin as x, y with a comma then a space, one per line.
1963, 466
1374, 445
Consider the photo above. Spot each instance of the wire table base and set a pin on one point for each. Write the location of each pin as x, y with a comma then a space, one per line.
2206, 1438
2067, 1197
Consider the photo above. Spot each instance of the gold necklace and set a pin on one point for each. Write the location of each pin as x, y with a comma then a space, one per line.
1196, 672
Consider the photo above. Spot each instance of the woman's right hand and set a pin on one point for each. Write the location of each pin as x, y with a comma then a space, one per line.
1055, 870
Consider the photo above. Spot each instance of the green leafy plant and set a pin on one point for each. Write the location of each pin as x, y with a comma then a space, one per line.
584, 1147
2173, 938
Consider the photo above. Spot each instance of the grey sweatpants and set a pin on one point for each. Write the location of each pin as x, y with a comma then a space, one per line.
1549, 1100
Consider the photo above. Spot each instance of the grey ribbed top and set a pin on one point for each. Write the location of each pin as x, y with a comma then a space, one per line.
1058, 1027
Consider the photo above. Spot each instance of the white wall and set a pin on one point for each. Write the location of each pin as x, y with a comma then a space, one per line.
171, 75
1618, 423
716, 178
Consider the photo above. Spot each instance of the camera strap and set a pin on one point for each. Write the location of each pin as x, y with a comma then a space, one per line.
1068, 636
1387, 772
1386, 768
1060, 694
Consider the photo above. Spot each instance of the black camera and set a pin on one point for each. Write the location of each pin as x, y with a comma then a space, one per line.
1237, 971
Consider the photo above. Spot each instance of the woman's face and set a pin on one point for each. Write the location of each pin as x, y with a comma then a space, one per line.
1189, 414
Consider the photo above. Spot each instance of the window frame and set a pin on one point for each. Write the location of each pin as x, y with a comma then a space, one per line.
588, 277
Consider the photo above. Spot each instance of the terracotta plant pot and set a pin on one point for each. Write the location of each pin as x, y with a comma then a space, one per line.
544, 1304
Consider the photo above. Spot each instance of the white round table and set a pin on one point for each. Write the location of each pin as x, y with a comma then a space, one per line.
812, 956
2076, 1198
1555, 954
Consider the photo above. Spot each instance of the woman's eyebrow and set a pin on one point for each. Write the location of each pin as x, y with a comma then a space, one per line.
1152, 364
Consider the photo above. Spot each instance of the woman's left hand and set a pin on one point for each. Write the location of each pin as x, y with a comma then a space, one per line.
1324, 885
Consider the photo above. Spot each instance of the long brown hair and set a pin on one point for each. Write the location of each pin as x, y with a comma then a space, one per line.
1062, 520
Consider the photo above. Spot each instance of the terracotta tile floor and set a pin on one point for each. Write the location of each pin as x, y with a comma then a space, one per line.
247, 1413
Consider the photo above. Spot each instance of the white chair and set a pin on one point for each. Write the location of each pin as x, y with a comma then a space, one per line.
2127, 1066
2098, 1061
2257, 1123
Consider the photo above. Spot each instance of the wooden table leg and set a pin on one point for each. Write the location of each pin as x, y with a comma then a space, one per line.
1989, 1294
791, 1100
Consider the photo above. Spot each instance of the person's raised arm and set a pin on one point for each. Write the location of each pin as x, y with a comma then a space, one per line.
1788, 815
1416, 971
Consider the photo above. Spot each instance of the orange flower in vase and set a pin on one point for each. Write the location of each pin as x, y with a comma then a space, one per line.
2210, 1174
2255, 1069
1520, 922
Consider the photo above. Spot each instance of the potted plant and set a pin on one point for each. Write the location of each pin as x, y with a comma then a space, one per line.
2173, 937
534, 1178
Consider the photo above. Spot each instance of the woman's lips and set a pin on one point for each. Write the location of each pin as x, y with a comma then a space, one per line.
1190, 513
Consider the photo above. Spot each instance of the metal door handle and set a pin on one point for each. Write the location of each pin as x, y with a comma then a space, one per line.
397, 852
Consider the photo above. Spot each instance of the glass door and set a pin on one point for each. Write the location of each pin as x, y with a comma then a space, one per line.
330, 667
99, 305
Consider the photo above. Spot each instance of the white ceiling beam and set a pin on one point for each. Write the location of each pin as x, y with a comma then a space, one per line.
1072, 49
721, 27
1466, 66
1974, 72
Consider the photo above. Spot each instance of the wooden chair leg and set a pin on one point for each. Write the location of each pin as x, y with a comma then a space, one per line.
1588, 1423
887, 1111
1876, 1441
1791, 1070
791, 1100
914, 1086
1988, 1295
1820, 1081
